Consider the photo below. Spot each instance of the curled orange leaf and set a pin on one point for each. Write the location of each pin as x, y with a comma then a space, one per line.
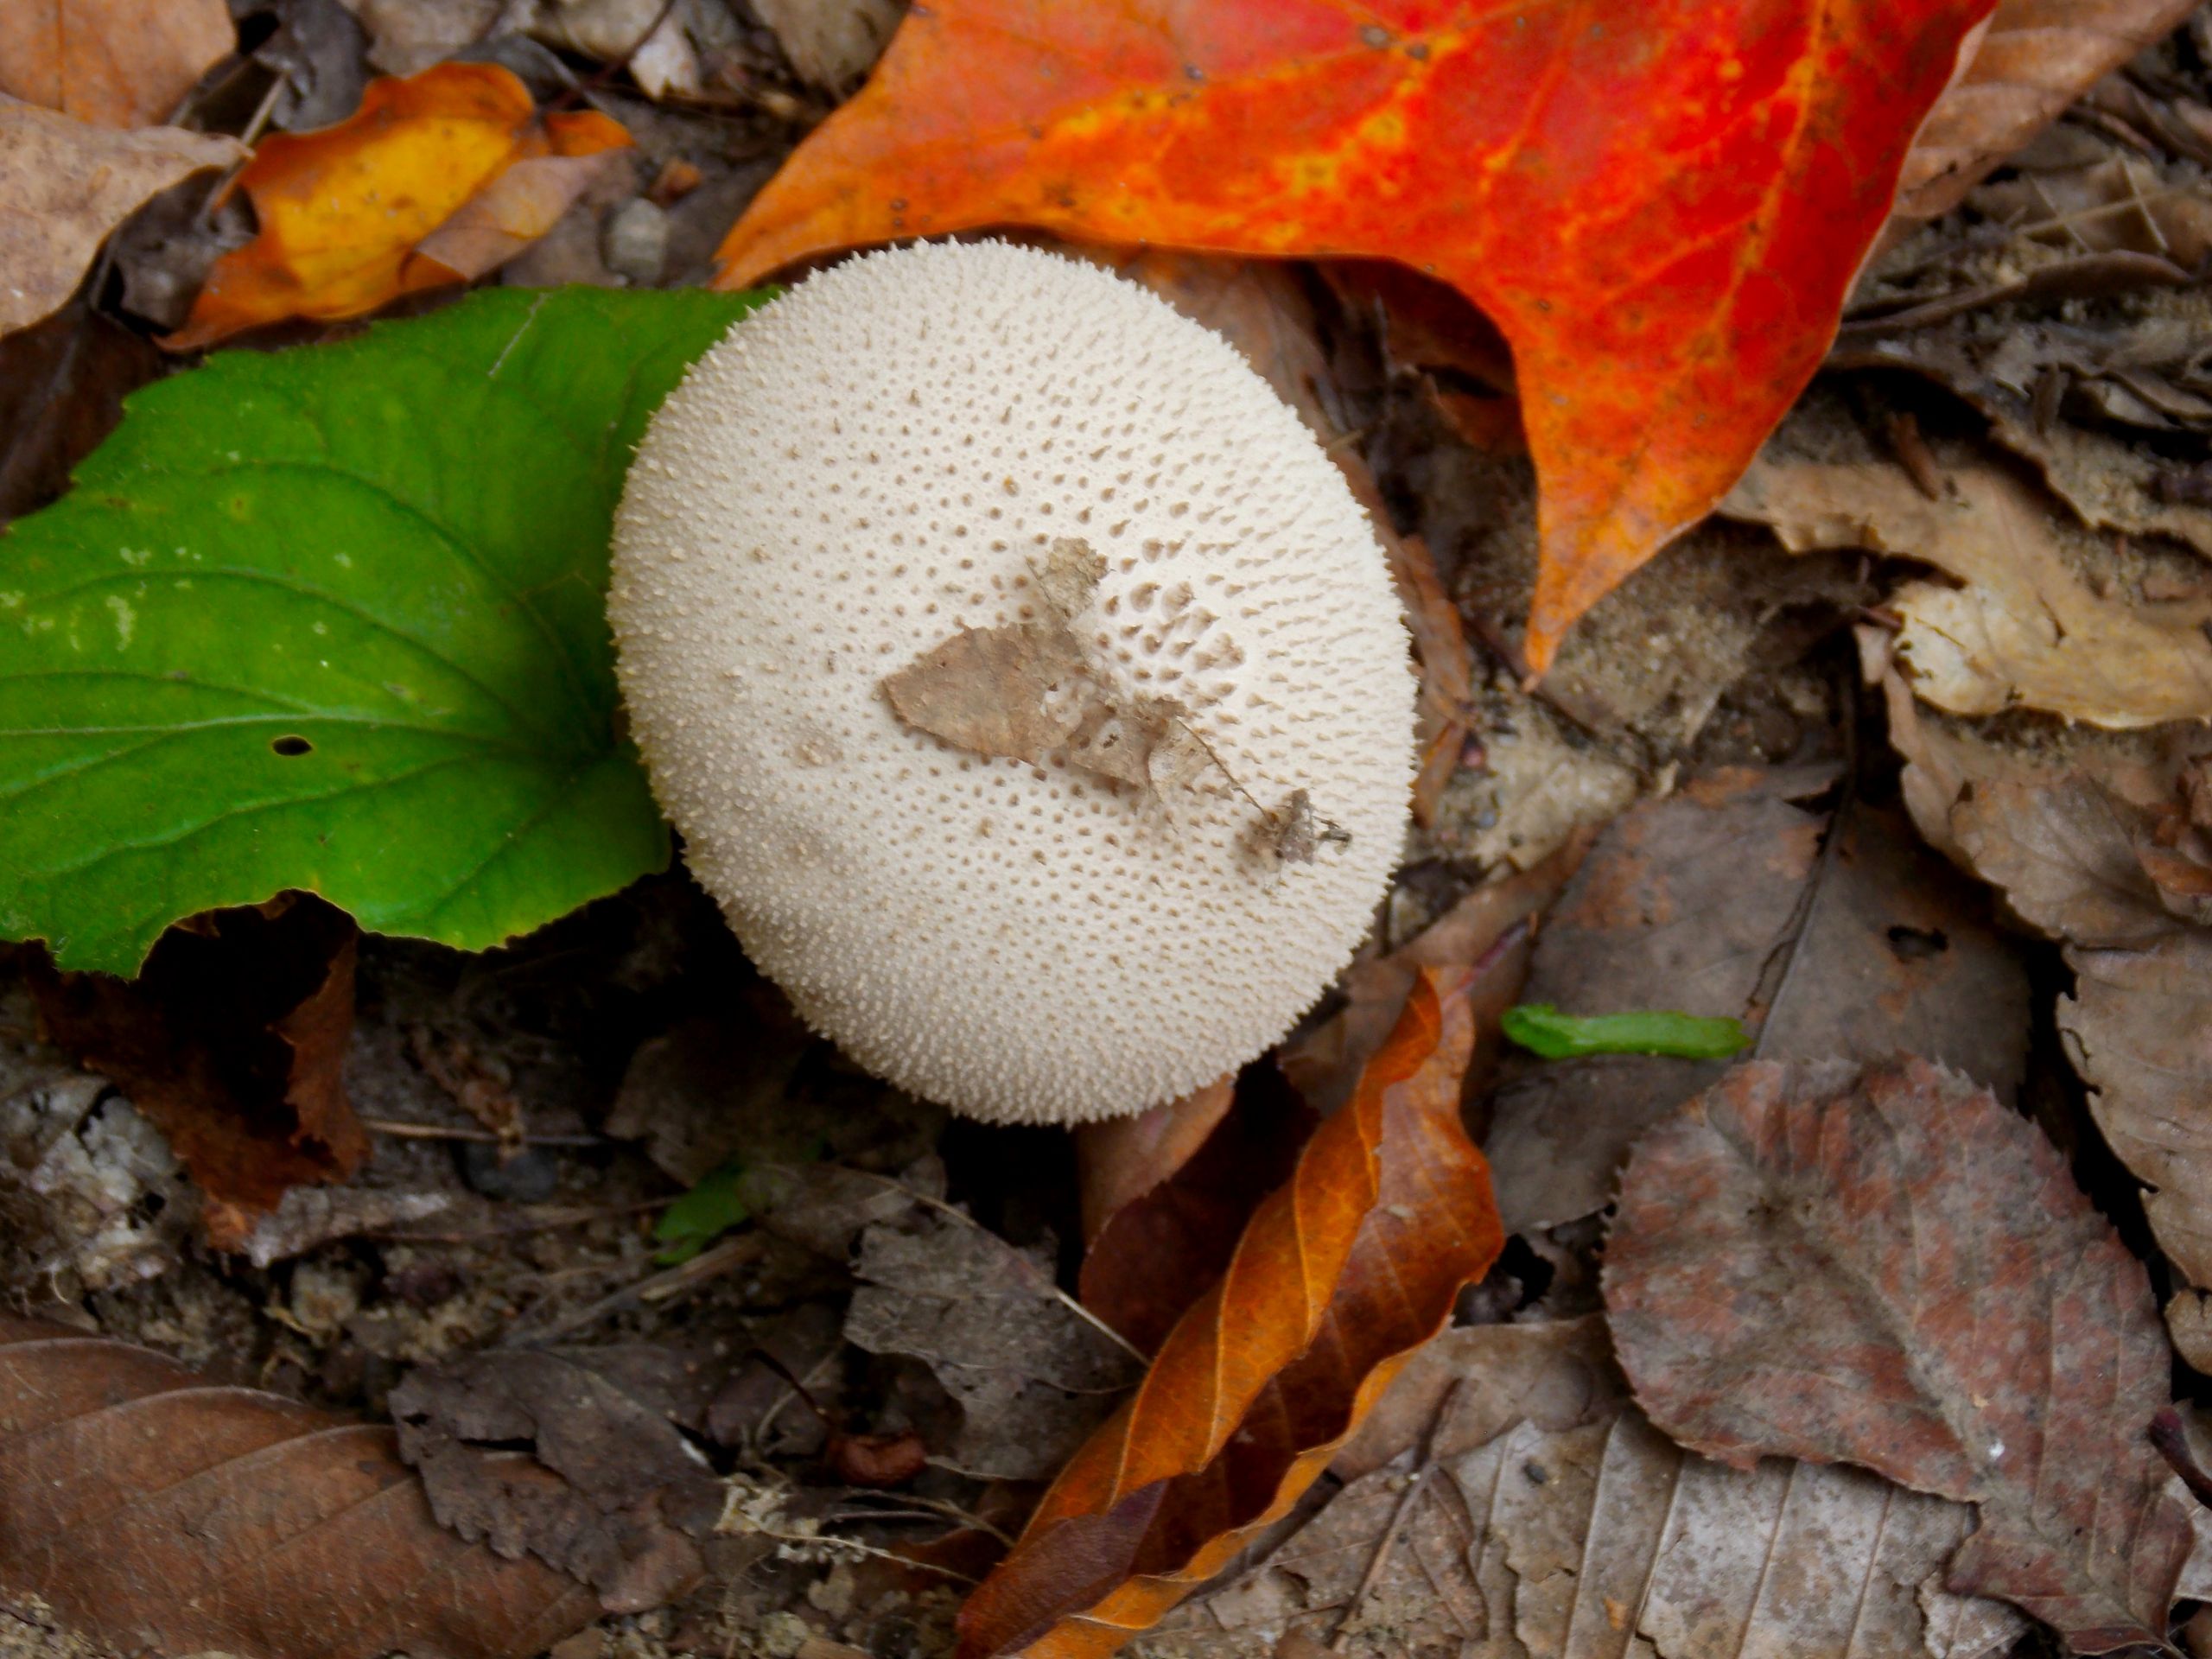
346, 211
1339, 1276
1660, 205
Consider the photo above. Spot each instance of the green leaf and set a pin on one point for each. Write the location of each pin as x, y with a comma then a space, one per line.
701, 1215
1556, 1036
333, 619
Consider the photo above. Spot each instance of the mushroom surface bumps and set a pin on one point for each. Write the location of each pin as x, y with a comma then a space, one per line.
896, 452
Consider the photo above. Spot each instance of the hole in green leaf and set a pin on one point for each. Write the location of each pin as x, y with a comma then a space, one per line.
289, 747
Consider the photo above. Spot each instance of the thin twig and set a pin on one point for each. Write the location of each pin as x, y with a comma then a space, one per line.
573, 1217
659, 1286
1425, 1454
937, 1506
440, 1132
1792, 948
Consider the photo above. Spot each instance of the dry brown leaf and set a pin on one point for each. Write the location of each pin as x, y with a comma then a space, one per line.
1888, 1268
517, 207
2056, 836
62, 383
65, 184
989, 690
2024, 630
156, 1511
611, 1493
118, 63
2035, 57
1031, 1376
1120, 1160
1155, 1255
1340, 1275
1541, 1516
233, 1042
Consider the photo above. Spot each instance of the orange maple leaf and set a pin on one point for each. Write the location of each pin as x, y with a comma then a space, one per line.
1661, 206
1340, 1274
346, 212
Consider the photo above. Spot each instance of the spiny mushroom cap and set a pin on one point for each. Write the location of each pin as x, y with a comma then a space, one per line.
883, 457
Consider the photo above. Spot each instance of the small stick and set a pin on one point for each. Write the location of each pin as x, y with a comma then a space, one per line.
439, 1132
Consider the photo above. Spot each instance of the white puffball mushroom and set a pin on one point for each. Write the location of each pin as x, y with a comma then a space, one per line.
893, 453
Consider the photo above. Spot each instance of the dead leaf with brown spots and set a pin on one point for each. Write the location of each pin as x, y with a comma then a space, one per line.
1888, 1268
2022, 628
1339, 1276
155, 1510
118, 63
2059, 835
2035, 58
233, 1042
65, 184
1533, 1513
611, 1492
417, 189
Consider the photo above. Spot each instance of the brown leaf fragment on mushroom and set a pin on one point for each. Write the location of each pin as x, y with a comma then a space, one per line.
1534, 1514
612, 1493
989, 690
1068, 578
156, 1511
65, 184
1887, 1268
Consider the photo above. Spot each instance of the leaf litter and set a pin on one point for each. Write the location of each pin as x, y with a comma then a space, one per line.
1868, 905
1521, 1507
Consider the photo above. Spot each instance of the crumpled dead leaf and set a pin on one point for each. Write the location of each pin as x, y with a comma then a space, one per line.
65, 184
233, 1042
611, 1492
2023, 630
118, 63
435, 179
1031, 1375
2035, 57
1534, 1514
1340, 1275
1888, 1268
155, 1511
